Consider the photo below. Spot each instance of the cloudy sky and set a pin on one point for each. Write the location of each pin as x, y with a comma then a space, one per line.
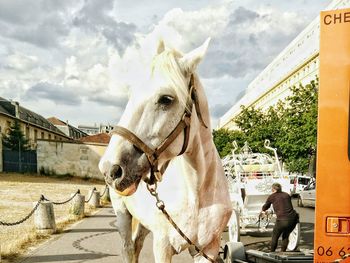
70, 59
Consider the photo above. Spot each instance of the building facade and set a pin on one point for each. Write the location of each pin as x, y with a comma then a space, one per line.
92, 130
33, 125
67, 129
297, 64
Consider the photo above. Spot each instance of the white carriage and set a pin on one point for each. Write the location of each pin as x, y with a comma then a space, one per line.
250, 177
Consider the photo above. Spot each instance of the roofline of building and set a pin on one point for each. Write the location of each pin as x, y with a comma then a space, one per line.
227, 117
65, 124
36, 125
236, 109
285, 78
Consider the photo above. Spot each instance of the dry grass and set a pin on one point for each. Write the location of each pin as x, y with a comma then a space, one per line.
18, 194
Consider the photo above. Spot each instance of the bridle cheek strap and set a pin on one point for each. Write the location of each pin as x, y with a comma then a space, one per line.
136, 141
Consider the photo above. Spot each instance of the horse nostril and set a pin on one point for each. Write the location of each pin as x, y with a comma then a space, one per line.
116, 172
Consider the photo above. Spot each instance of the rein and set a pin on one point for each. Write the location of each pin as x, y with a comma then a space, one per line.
153, 155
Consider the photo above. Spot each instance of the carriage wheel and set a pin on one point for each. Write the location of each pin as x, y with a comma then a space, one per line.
294, 238
233, 227
233, 251
300, 202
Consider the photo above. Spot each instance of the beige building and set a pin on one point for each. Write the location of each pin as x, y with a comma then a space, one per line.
297, 64
67, 129
33, 125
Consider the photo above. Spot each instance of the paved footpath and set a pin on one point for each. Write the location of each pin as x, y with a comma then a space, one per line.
93, 239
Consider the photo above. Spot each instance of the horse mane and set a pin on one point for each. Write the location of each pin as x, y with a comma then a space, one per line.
167, 63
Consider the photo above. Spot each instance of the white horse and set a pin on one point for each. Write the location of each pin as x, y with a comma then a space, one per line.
163, 144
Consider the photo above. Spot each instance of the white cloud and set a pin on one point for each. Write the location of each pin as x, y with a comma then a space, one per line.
57, 93
20, 62
84, 53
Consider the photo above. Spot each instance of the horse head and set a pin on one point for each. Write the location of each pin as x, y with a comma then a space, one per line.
155, 125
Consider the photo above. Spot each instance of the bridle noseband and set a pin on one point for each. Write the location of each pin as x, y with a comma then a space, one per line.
183, 125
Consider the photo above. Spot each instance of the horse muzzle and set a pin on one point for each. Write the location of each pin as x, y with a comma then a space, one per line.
124, 185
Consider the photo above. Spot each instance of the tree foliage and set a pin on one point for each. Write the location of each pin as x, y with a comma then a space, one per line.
223, 139
291, 127
15, 140
299, 139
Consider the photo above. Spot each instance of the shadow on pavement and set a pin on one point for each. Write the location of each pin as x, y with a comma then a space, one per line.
87, 230
68, 257
102, 216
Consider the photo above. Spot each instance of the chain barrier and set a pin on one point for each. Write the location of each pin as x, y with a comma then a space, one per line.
92, 192
161, 206
42, 198
64, 202
104, 191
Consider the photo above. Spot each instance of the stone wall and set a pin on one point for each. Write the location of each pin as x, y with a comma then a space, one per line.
69, 158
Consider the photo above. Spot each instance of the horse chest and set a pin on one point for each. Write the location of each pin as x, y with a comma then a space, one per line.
142, 204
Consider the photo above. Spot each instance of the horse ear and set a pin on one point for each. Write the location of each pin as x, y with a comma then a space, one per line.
161, 47
191, 60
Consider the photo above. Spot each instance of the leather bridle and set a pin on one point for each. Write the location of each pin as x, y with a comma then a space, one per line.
183, 125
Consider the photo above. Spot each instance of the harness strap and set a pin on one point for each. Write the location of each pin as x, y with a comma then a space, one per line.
194, 98
183, 124
186, 140
196, 104
136, 141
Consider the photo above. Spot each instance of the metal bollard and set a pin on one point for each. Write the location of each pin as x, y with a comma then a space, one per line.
77, 206
94, 198
44, 218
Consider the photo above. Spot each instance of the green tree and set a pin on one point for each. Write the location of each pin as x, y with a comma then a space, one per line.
300, 130
291, 127
259, 126
15, 140
223, 139
275, 126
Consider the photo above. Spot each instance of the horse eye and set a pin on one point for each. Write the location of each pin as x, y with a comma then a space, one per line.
165, 100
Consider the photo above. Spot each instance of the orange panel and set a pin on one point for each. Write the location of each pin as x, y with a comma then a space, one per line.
333, 153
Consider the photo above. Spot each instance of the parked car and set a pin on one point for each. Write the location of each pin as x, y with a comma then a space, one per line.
298, 183
307, 197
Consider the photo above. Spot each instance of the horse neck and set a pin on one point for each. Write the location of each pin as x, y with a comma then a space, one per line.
201, 154
201, 157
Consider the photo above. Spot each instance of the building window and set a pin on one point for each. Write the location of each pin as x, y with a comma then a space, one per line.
42, 135
35, 135
27, 132
49, 136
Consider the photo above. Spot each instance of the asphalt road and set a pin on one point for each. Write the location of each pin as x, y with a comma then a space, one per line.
95, 239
